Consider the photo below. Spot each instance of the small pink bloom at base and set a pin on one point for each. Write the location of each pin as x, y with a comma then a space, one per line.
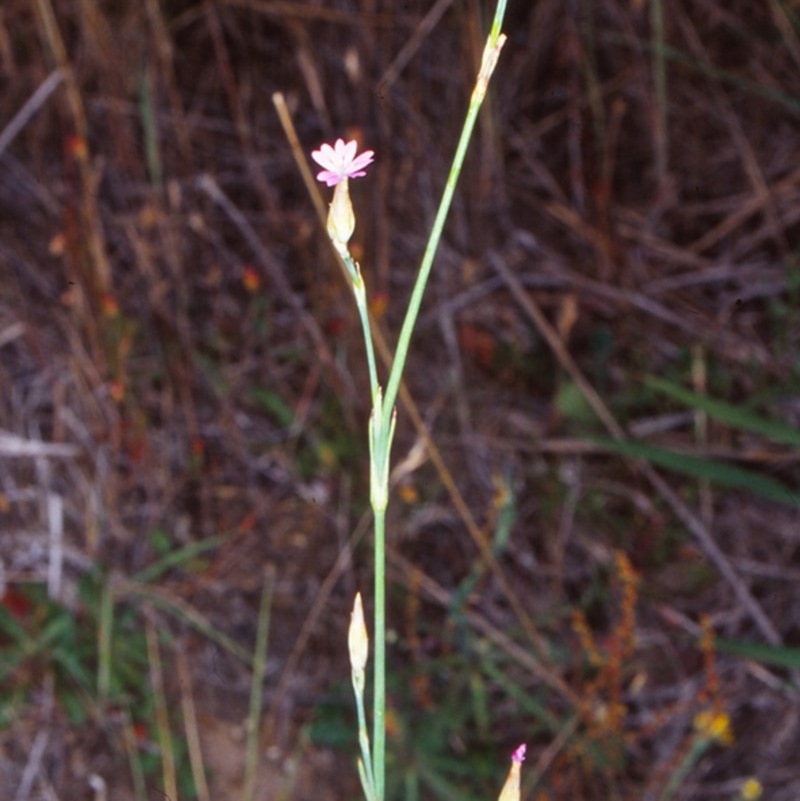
341, 161
511, 789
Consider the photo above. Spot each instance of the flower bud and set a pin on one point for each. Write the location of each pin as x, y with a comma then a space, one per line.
357, 639
341, 218
511, 791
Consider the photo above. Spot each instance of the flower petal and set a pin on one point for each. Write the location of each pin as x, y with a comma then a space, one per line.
349, 151
329, 178
364, 160
324, 156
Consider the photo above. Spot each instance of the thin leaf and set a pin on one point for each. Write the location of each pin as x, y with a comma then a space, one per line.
775, 655
184, 554
726, 475
272, 403
729, 414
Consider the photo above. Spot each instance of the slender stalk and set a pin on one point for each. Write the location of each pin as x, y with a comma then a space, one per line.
360, 292
104, 636
381, 431
367, 775
257, 684
134, 760
340, 225
379, 680
168, 766
490, 54
382, 422
358, 646
698, 748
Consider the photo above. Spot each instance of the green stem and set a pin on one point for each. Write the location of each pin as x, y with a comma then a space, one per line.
104, 637
365, 763
381, 432
379, 688
360, 292
382, 420
699, 747
491, 52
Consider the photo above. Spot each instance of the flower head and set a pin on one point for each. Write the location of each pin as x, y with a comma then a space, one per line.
751, 790
341, 161
714, 726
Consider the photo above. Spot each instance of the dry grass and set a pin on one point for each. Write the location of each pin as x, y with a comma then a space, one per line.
181, 368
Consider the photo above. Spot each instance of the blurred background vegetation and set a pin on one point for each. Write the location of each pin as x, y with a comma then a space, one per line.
595, 523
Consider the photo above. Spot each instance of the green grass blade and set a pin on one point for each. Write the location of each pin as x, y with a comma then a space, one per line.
190, 615
762, 90
275, 405
176, 558
506, 515
774, 655
720, 473
728, 414
257, 685
105, 628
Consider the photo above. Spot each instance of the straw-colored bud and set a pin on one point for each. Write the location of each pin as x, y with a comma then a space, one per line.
357, 638
341, 217
511, 791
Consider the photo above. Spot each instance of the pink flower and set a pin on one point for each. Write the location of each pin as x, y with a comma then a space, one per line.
511, 789
340, 161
